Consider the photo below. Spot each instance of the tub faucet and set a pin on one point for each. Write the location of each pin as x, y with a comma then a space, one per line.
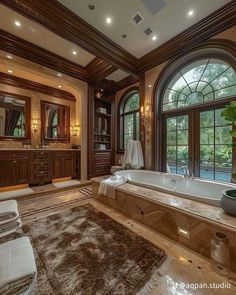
187, 173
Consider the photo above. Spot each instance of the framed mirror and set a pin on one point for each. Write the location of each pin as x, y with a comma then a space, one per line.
55, 122
15, 116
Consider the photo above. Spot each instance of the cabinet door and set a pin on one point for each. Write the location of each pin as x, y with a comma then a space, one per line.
7, 172
69, 167
22, 167
57, 168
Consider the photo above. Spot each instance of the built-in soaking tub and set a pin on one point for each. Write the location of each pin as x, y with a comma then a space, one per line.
197, 189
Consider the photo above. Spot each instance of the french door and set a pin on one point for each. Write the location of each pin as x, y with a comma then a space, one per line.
197, 141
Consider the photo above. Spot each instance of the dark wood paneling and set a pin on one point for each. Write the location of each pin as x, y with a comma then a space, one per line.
35, 86
216, 22
35, 167
63, 22
15, 45
98, 69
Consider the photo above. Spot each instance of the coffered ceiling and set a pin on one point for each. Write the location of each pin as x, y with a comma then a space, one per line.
92, 40
166, 18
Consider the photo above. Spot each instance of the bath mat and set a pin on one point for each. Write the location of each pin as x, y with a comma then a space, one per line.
66, 183
83, 251
15, 194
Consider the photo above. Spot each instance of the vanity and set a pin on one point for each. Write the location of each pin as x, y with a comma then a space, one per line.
36, 166
42, 164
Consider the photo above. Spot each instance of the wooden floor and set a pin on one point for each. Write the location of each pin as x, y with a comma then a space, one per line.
186, 268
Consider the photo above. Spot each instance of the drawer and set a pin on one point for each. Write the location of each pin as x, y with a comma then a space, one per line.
15, 154
63, 154
102, 156
43, 155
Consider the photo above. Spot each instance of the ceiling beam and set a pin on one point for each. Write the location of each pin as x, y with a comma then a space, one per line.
35, 86
216, 22
98, 69
63, 22
15, 45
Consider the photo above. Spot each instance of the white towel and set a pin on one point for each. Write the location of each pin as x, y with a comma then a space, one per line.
8, 211
133, 156
17, 266
107, 186
10, 227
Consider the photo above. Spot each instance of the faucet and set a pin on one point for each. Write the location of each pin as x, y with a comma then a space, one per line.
187, 172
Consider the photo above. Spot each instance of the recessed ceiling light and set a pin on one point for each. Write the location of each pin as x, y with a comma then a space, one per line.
149, 86
59, 74
74, 52
191, 12
10, 71
154, 38
108, 20
17, 23
59, 86
124, 36
9, 56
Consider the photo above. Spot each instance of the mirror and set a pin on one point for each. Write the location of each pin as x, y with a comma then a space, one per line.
14, 116
55, 120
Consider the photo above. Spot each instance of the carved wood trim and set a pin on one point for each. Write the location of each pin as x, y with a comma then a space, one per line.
35, 86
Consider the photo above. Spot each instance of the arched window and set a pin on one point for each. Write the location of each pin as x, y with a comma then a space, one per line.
196, 136
129, 118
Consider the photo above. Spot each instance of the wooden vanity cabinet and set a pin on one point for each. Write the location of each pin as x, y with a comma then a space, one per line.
41, 167
63, 164
37, 166
14, 168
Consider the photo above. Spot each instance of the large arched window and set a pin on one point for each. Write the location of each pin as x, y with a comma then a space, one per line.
129, 118
196, 136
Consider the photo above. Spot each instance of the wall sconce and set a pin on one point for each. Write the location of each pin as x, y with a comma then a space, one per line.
75, 130
145, 111
35, 125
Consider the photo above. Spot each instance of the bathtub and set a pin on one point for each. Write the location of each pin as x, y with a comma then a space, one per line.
197, 189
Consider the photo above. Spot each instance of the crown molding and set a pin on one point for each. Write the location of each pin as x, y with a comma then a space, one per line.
50, 13
216, 22
17, 46
35, 86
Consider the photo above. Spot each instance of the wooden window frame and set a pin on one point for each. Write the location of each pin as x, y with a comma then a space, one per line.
121, 115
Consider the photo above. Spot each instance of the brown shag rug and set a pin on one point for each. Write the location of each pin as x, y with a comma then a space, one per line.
83, 251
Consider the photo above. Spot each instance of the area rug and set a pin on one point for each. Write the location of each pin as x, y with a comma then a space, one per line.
83, 251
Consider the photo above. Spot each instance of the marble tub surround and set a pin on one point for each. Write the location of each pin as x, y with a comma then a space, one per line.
211, 213
181, 220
